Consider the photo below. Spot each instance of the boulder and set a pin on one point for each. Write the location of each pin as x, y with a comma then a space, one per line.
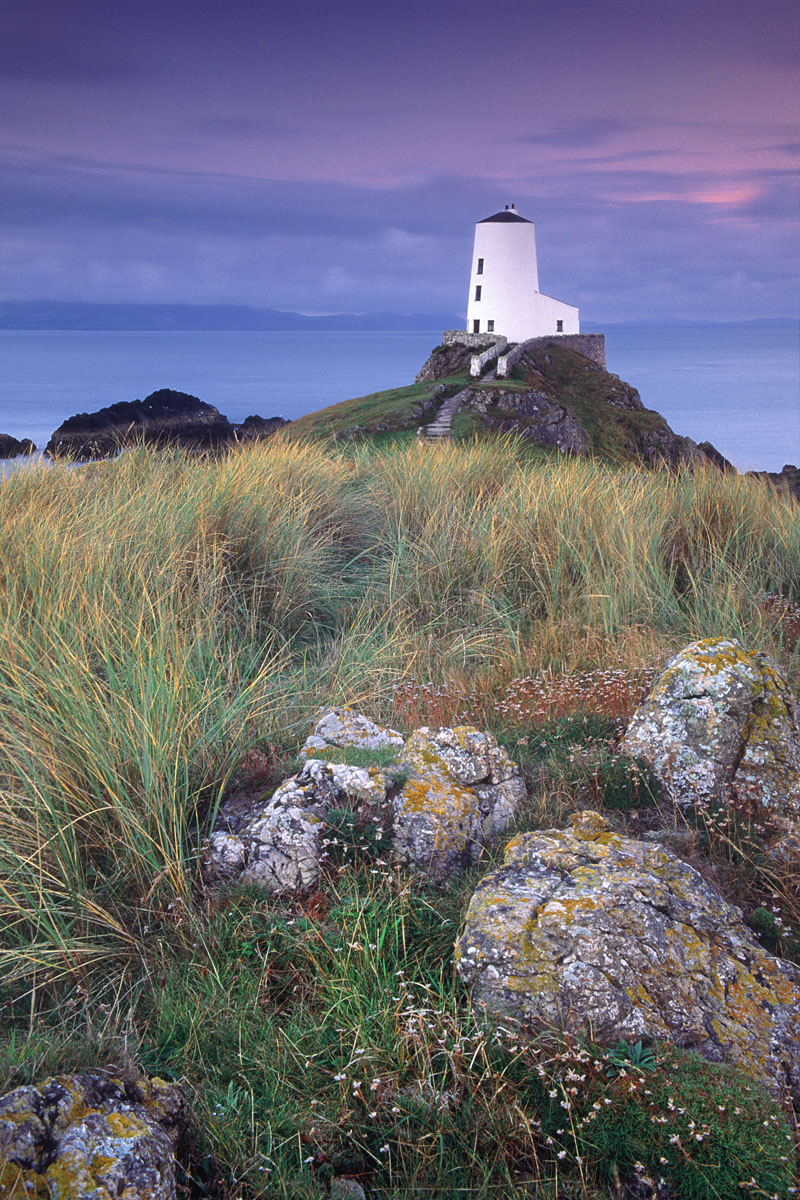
343, 727
93, 1136
721, 726
463, 791
609, 937
11, 447
279, 843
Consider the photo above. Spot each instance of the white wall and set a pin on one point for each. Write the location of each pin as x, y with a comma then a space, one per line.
509, 285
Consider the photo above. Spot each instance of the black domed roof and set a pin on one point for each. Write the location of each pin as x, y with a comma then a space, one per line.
507, 215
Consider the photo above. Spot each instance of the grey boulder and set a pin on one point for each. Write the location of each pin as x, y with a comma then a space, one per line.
721, 727
598, 934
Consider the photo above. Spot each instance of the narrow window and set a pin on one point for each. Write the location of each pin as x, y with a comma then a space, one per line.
480, 267
478, 292
559, 326
490, 326
476, 326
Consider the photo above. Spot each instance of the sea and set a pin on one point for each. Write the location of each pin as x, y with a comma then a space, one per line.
735, 385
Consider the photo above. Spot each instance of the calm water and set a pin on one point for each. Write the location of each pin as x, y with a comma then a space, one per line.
736, 386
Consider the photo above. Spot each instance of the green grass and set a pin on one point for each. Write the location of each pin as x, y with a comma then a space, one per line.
167, 622
394, 410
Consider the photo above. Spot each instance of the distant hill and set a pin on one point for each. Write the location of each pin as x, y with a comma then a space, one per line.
47, 314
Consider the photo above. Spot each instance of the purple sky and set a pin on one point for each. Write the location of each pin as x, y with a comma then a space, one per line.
334, 156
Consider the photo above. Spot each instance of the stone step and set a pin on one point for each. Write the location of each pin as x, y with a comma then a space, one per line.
440, 427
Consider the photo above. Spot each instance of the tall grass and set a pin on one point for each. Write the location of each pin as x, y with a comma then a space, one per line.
160, 616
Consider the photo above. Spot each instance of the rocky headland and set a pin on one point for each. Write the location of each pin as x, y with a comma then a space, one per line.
164, 418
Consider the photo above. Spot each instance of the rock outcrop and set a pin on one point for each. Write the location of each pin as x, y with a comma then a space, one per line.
92, 1137
279, 843
463, 792
602, 935
446, 795
11, 447
339, 728
721, 727
529, 414
454, 359
164, 418
557, 396
787, 479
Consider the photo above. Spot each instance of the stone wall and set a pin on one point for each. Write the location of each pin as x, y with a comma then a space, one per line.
476, 341
479, 361
590, 345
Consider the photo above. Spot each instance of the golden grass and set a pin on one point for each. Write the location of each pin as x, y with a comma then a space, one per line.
160, 616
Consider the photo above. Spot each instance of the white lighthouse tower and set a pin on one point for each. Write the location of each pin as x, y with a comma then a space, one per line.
504, 296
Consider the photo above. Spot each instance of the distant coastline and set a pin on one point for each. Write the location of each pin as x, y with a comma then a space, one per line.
196, 318
62, 316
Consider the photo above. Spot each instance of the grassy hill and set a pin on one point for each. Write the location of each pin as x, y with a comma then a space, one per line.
602, 415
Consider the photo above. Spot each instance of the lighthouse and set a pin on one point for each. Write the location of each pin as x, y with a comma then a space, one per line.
504, 296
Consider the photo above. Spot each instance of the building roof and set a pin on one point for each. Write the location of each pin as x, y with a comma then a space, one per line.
508, 215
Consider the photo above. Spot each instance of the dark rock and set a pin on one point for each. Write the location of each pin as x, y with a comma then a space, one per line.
164, 418
10, 447
532, 414
622, 395
713, 455
787, 479
254, 428
448, 360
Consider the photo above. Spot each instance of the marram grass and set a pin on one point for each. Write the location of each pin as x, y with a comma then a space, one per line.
161, 617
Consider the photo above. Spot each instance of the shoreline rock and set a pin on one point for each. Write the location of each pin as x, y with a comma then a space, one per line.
11, 447
164, 418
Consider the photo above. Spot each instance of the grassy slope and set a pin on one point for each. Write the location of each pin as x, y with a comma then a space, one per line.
168, 626
393, 409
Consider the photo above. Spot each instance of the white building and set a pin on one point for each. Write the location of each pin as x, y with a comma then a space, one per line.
504, 294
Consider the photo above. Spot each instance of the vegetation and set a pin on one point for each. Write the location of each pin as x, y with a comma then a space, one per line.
170, 626
395, 411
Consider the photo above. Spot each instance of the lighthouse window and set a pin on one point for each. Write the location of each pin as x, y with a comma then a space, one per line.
476, 326
559, 326
480, 267
478, 292
490, 326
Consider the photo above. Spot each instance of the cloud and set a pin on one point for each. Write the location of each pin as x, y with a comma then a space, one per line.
575, 135
72, 229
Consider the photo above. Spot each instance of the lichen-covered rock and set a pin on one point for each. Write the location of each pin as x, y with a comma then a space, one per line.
601, 934
464, 790
436, 826
721, 724
92, 1137
341, 727
278, 843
